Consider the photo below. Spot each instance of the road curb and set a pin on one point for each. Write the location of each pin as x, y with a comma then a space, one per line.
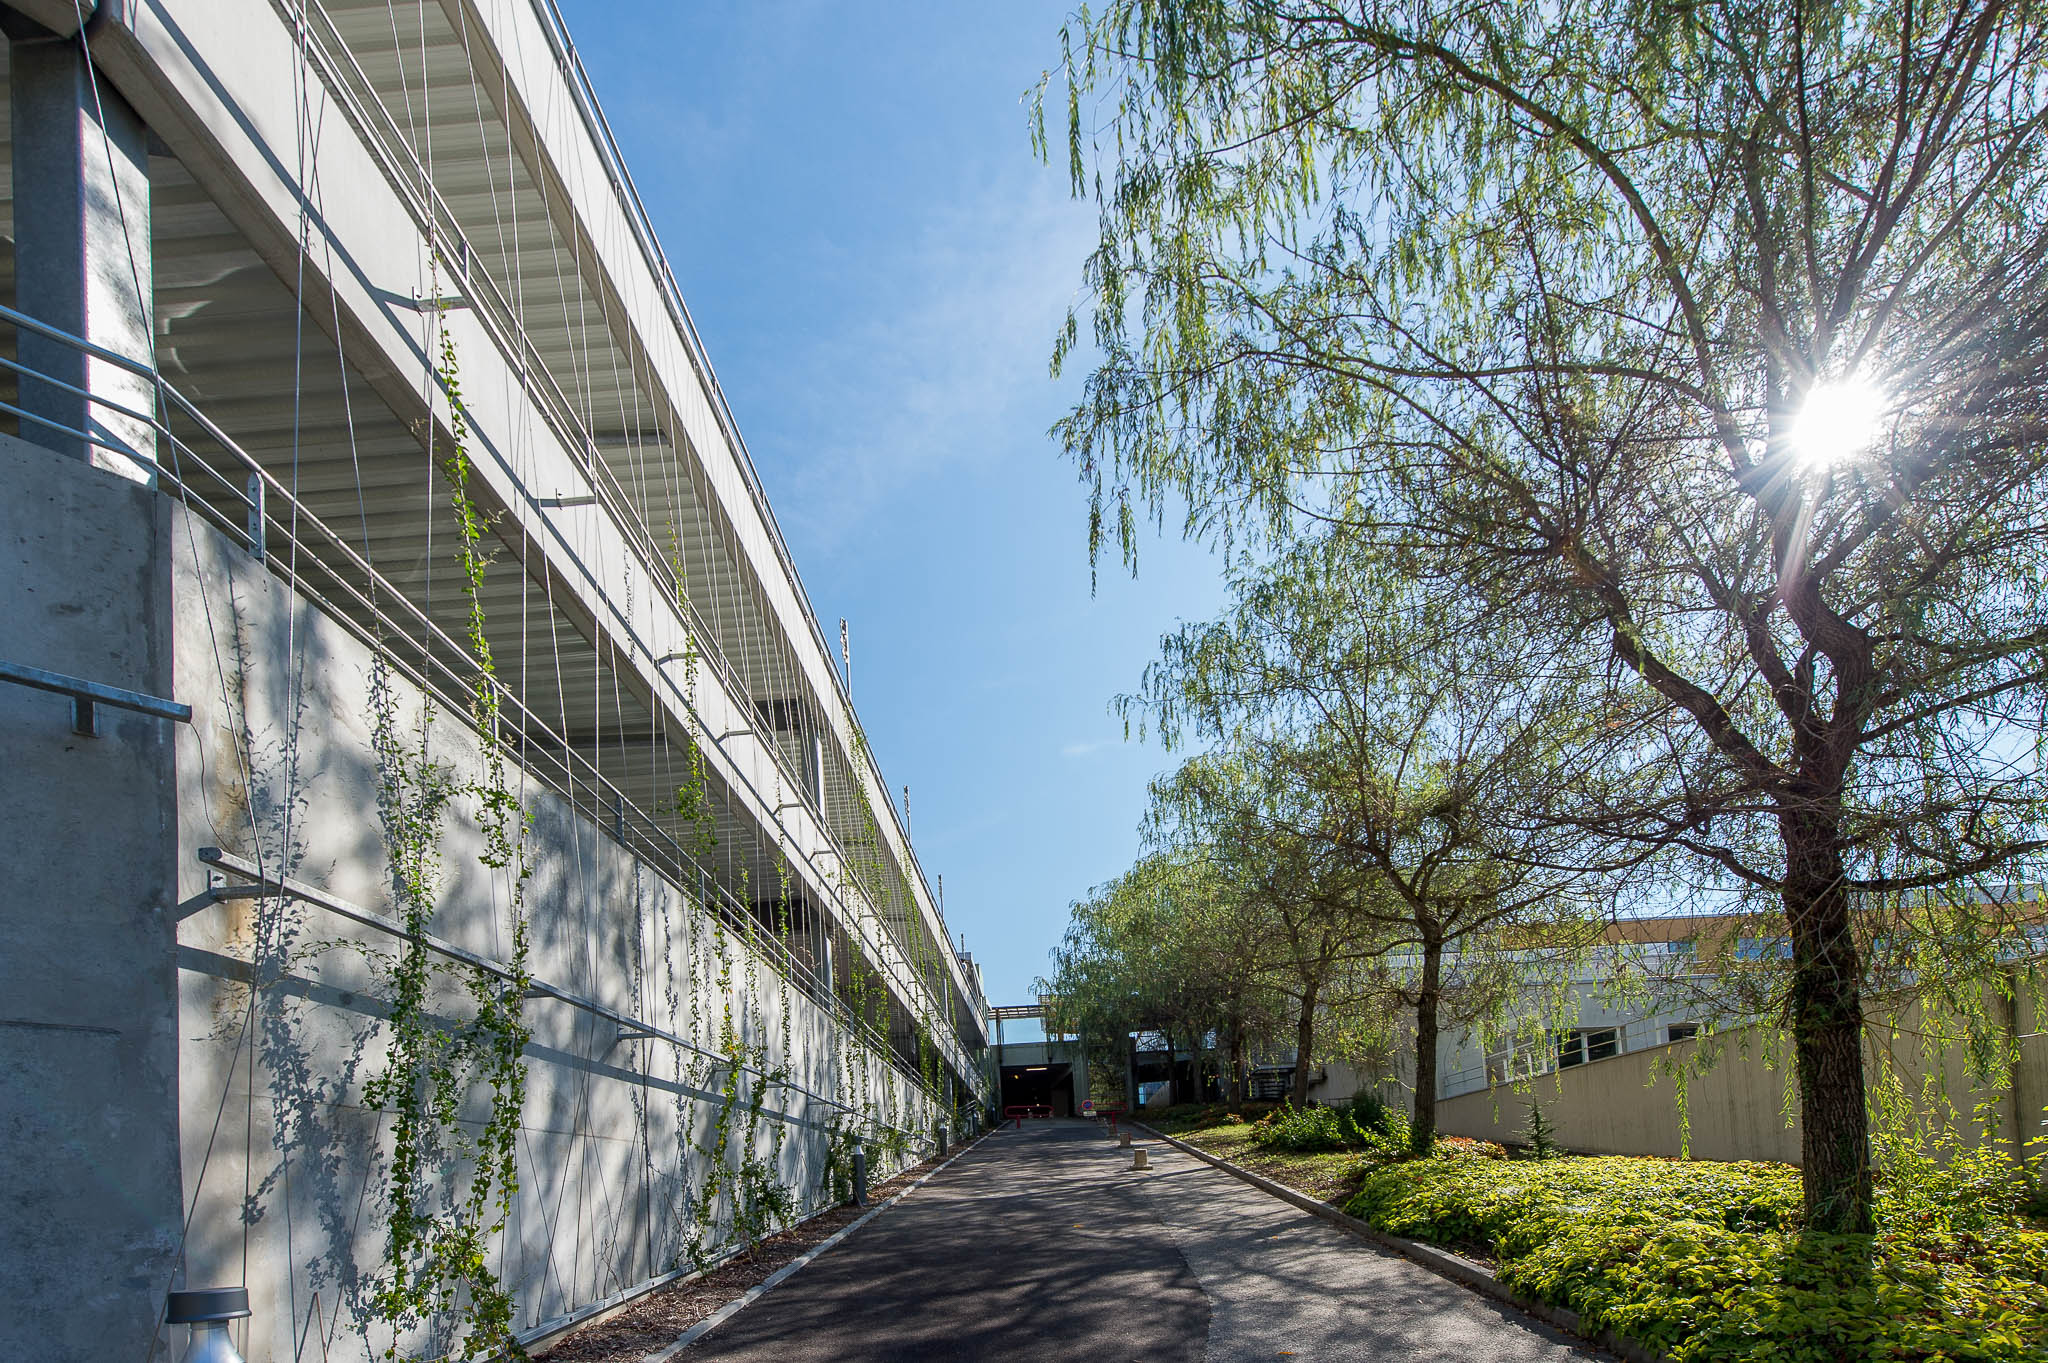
760, 1289
1458, 1269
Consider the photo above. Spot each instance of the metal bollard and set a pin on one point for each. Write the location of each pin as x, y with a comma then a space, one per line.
860, 1177
1138, 1158
943, 1134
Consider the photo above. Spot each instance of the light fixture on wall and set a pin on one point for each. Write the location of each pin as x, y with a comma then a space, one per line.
208, 1310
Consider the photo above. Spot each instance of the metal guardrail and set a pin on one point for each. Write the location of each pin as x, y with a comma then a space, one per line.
591, 110
349, 590
381, 134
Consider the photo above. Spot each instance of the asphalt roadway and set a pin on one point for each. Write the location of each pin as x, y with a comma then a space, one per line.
1042, 1244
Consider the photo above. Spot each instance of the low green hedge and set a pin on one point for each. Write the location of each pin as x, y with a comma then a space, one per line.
1365, 1123
1706, 1261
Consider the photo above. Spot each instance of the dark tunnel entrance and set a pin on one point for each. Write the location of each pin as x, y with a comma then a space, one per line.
1048, 1085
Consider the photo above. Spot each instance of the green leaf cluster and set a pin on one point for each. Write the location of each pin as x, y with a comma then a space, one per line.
449, 1183
1364, 1124
1709, 1262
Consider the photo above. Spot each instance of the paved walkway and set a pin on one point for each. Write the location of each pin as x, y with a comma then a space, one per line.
1042, 1245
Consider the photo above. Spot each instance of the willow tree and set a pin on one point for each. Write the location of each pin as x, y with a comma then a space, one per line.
1312, 941
1715, 332
1420, 766
1163, 947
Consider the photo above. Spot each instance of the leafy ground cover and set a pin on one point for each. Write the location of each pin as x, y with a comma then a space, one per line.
1706, 1261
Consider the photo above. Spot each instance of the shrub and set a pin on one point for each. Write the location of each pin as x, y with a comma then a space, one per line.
1540, 1135
1707, 1262
1190, 1117
1306, 1130
1370, 1113
1370, 1126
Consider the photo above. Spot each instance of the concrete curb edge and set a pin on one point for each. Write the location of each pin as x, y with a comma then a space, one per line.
1451, 1266
760, 1289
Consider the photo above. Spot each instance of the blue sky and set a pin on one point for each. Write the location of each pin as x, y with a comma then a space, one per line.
878, 264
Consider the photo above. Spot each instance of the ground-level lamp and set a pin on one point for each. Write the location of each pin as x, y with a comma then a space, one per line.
208, 1310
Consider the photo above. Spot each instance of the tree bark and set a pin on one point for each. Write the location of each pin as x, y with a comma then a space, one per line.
1304, 1045
1236, 1091
1826, 1011
1422, 1130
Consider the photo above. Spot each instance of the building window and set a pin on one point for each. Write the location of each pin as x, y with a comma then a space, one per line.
1762, 949
1583, 1044
1681, 1031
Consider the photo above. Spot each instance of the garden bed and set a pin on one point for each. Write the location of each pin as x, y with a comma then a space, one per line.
1705, 1262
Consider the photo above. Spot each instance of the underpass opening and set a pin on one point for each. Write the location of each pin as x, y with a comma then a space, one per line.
1049, 1085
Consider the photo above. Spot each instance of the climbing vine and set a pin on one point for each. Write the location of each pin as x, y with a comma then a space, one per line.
439, 1225
734, 1168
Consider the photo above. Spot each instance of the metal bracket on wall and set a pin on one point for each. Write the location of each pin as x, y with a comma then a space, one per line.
88, 696
629, 1033
422, 302
218, 888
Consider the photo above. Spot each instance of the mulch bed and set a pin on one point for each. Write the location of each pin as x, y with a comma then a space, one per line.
657, 1319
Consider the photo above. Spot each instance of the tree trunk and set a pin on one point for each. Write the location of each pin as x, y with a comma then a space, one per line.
1238, 1091
1422, 1129
1304, 1046
1826, 1011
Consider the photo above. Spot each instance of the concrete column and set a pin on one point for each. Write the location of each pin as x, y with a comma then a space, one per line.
89, 1224
82, 257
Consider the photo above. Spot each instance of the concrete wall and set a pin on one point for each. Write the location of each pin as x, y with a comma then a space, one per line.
205, 76
88, 987
282, 1161
1742, 1108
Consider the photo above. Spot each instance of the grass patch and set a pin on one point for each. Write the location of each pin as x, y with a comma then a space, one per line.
1234, 1132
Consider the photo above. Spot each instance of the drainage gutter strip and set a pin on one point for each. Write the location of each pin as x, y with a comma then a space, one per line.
1451, 1266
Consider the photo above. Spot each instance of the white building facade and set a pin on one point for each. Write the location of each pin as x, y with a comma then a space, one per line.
405, 662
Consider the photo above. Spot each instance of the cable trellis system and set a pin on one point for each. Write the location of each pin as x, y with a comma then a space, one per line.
609, 604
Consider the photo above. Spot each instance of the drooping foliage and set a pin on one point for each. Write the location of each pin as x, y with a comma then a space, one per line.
1708, 343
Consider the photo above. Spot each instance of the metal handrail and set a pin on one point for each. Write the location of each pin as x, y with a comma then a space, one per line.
86, 694
631, 1028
